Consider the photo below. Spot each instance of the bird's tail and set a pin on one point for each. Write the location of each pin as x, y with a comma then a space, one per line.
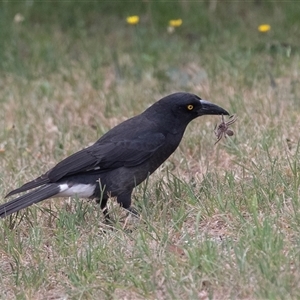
28, 199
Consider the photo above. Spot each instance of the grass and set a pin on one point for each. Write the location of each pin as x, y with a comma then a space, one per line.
217, 222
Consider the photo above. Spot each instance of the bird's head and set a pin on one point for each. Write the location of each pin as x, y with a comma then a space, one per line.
186, 107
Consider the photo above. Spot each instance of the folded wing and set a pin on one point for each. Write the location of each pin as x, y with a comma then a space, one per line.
101, 157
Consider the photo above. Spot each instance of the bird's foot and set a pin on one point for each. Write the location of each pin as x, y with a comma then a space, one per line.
132, 211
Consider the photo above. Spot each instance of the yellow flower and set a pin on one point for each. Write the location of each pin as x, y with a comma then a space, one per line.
175, 23
132, 20
264, 27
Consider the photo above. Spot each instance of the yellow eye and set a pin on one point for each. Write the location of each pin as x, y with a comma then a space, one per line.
190, 107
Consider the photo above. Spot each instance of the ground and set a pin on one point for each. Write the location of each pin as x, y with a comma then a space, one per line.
217, 221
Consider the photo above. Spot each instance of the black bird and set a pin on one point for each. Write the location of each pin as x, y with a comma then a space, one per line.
121, 159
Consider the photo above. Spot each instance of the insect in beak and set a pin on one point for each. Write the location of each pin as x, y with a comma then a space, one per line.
223, 128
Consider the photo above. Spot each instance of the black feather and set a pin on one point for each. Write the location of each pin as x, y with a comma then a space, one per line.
123, 157
29, 199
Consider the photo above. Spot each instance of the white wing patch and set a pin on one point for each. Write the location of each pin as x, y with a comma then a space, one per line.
81, 190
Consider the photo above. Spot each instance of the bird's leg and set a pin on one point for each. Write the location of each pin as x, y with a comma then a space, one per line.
133, 211
103, 203
125, 201
102, 199
105, 213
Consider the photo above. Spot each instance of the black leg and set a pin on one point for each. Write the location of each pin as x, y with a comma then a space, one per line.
103, 203
133, 211
125, 201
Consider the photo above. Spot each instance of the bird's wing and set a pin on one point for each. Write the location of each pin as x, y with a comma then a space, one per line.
101, 157
109, 155
30, 185
77, 162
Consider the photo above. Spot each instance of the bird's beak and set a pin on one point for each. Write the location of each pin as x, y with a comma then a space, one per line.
208, 108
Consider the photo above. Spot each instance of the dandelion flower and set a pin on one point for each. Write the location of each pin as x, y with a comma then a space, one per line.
132, 20
175, 23
264, 27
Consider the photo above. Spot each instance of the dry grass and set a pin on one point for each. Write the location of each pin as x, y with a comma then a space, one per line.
217, 222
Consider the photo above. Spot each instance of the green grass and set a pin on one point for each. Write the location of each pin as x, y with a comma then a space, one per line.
217, 221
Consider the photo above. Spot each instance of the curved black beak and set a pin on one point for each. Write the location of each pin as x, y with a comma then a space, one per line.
208, 108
